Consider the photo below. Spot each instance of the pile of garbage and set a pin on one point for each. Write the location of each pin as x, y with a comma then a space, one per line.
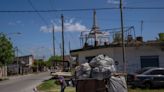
102, 67
99, 68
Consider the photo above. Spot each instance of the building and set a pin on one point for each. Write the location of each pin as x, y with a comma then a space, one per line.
138, 54
27, 60
21, 65
137, 57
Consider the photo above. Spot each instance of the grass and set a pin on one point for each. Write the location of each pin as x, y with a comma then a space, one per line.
50, 86
145, 90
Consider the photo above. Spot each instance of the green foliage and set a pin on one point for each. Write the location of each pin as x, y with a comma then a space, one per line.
161, 36
6, 50
46, 85
51, 59
39, 63
50, 86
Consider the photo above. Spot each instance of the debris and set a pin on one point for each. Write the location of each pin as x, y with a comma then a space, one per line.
101, 72
83, 71
102, 60
102, 68
117, 84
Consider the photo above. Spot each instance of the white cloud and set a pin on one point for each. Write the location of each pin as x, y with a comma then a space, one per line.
14, 23
45, 29
69, 26
113, 1
18, 22
11, 23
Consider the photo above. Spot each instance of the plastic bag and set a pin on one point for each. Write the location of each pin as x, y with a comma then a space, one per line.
117, 84
83, 71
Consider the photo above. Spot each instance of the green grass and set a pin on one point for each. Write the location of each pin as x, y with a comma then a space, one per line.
145, 90
46, 85
50, 86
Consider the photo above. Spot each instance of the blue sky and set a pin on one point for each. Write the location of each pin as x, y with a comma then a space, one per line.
36, 37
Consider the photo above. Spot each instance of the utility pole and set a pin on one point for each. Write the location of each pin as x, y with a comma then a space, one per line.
61, 49
53, 40
141, 27
122, 33
17, 59
62, 19
69, 46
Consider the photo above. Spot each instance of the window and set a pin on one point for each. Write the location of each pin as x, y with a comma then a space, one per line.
149, 61
157, 72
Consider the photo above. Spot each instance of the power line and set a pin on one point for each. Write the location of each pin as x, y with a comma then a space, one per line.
35, 10
74, 10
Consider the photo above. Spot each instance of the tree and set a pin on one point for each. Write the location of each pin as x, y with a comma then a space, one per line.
51, 59
6, 50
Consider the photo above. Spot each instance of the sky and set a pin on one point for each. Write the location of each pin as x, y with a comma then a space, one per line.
36, 27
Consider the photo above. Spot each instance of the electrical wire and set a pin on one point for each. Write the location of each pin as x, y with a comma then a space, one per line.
74, 10
29, 1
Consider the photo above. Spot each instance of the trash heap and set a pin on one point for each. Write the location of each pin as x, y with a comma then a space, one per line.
102, 67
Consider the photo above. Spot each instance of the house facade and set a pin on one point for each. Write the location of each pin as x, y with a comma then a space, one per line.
21, 65
27, 60
137, 57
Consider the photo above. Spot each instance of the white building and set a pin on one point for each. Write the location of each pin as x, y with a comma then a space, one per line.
137, 57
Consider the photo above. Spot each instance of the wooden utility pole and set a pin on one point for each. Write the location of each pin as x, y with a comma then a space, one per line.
141, 27
122, 33
53, 40
69, 46
62, 19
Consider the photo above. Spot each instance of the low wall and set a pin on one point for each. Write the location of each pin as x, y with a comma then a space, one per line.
3, 71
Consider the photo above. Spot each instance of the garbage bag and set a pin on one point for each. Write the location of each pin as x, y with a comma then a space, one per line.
117, 84
101, 73
83, 71
102, 60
